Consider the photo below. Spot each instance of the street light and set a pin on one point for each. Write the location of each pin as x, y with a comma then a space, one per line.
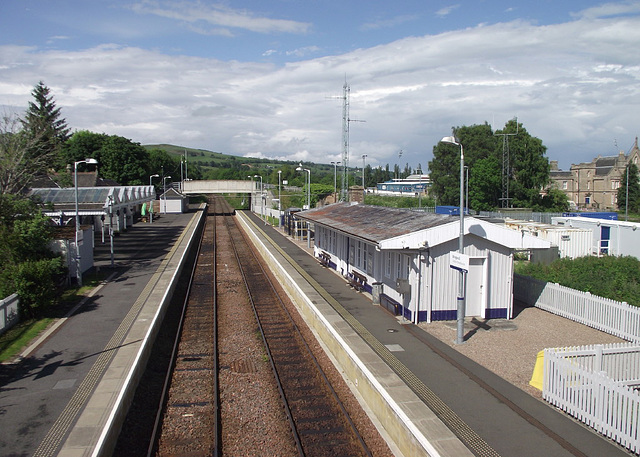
308, 201
335, 184
164, 191
279, 198
461, 297
261, 196
151, 205
308, 186
364, 189
75, 176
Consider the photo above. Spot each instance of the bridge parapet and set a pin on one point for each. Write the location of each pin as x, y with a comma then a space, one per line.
218, 187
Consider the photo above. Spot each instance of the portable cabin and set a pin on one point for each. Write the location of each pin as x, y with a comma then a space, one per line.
403, 258
610, 237
572, 242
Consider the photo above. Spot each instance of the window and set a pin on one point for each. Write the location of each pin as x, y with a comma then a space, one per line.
407, 266
565, 185
399, 266
387, 264
615, 185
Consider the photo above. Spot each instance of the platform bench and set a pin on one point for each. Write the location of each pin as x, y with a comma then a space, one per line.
324, 258
357, 281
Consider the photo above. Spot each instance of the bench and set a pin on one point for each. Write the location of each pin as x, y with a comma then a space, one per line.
324, 258
357, 281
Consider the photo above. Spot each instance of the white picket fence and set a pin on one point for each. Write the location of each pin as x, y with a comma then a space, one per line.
597, 385
610, 316
9, 315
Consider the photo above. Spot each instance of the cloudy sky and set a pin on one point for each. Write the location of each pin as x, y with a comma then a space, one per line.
265, 79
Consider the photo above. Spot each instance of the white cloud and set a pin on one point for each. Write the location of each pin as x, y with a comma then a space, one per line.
442, 12
217, 15
388, 22
573, 85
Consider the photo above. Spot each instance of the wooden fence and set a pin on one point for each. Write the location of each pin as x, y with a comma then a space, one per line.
616, 318
597, 385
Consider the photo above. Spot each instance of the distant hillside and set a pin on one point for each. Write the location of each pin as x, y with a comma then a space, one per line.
206, 158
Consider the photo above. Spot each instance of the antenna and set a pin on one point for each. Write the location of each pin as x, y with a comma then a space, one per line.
346, 91
505, 165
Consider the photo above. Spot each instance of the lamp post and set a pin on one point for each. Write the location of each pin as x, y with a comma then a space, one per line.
308, 184
364, 188
151, 205
279, 198
164, 192
461, 297
75, 177
308, 200
261, 196
335, 184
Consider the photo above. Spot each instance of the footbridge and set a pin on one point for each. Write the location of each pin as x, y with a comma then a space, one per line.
219, 187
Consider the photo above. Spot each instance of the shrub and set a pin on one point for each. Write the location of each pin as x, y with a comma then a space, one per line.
36, 283
617, 278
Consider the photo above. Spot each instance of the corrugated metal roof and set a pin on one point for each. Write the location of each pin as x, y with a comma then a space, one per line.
373, 223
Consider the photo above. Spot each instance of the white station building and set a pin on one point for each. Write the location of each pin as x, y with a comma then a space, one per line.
404, 258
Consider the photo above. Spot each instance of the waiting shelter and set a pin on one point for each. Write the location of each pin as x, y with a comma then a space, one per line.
402, 258
99, 206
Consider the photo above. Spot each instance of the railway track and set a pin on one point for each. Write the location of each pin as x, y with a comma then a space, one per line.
320, 424
258, 389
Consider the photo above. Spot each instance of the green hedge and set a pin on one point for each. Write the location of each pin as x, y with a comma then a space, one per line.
617, 278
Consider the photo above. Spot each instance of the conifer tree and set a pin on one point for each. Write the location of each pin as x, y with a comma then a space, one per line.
44, 123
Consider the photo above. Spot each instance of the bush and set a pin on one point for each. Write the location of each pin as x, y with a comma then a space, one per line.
36, 282
617, 278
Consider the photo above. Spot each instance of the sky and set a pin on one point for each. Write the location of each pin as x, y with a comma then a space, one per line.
265, 78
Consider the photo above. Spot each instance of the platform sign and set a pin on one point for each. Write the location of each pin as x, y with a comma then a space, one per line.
459, 261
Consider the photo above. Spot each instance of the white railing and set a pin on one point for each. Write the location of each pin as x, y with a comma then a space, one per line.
597, 385
8, 312
616, 318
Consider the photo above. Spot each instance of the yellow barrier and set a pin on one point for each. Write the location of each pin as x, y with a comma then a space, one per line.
538, 370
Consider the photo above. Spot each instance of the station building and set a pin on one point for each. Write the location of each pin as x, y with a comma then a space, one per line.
403, 259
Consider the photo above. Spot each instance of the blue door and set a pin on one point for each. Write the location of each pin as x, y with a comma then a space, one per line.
605, 235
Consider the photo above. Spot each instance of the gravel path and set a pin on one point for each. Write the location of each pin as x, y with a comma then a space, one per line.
509, 347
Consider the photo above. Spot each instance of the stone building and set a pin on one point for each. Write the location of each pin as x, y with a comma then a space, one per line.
594, 185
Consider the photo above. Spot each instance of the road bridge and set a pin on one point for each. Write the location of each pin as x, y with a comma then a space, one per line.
219, 187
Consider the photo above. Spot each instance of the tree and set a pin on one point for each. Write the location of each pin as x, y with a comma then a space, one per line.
528, 165
123, 161
82, 145
478, 143
634, 190
29, 267
44, 124
483, 154
19, 163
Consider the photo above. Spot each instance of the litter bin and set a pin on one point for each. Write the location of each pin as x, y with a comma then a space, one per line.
376, 290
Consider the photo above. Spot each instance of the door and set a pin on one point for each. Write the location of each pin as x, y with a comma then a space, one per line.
605, 236
476, 293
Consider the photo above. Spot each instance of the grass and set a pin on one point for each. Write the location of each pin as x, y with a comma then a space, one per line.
16, 339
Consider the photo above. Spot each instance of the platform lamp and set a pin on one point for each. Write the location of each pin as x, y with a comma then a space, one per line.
75, 177
279, 197
164, 191
151, 208
261, 196
461, 294
308, 200
364, 189
335, 183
